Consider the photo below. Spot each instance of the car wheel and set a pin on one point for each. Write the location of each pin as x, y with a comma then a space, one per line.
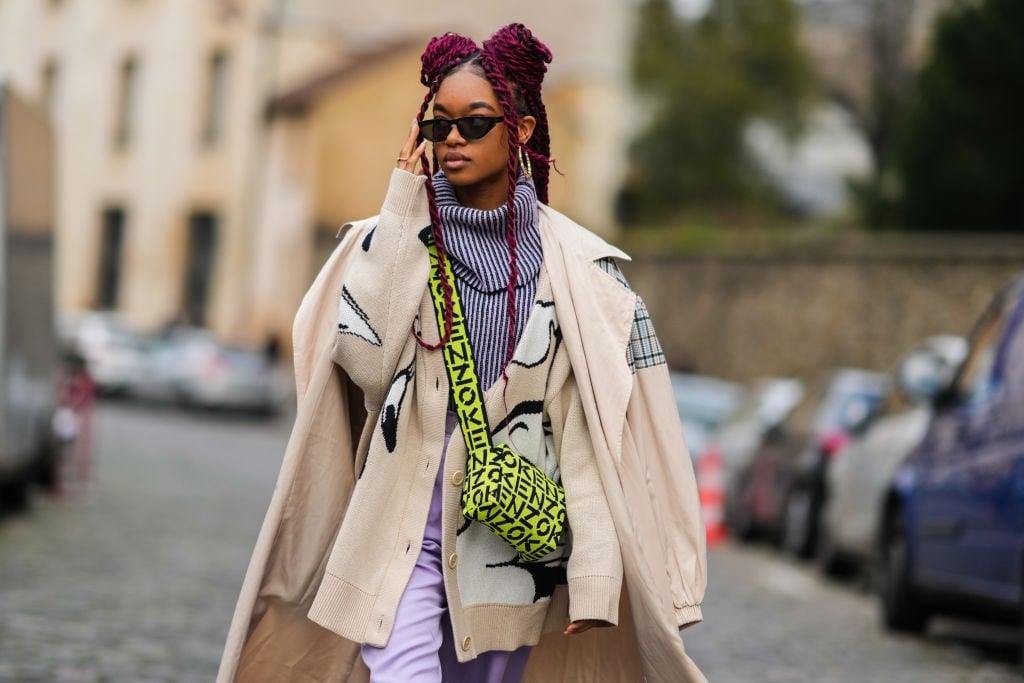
15, 495
1021, 641
901, 610
832, 562
796, 523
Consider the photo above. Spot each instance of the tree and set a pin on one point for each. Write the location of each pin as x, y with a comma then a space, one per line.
891, 81
961, 161
702, 83
873, 75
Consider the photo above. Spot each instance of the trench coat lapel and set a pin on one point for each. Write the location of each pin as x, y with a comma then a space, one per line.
602, 306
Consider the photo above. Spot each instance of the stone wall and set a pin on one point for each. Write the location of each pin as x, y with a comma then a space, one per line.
797, 312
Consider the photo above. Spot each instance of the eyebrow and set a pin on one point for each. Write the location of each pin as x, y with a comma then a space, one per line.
474, 105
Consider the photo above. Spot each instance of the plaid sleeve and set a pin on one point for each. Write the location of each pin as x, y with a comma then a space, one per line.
644, 350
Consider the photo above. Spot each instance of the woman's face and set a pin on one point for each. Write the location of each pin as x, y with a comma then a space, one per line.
477, 168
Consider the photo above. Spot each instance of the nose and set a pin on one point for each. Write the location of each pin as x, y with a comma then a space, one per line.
454, 137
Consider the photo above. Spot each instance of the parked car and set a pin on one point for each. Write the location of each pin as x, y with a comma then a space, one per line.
780, 493
114, 355
28, 348
187, 365
766, 404
953, 530
862, 473
703, 403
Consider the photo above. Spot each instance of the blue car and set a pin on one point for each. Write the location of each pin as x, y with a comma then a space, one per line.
952, 535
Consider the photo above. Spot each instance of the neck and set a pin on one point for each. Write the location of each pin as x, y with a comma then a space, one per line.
484, 196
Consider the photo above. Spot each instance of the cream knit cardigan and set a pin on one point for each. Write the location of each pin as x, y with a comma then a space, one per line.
494, 601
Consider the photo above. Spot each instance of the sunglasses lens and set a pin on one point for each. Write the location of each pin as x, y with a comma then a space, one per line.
435, 130
475, 127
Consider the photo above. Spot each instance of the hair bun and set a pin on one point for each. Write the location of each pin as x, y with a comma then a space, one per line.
442, 54
520, 54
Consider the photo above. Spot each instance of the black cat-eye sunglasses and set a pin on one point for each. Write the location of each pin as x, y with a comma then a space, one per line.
470, 127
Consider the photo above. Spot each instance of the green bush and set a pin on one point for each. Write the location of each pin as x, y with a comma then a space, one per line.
962, 160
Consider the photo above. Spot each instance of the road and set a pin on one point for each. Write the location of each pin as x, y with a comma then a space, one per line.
136, 580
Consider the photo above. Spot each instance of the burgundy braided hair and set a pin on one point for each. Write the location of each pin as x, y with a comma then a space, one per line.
522, 60
514, 62
441, 56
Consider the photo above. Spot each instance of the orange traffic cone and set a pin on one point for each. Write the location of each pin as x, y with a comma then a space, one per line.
712, 494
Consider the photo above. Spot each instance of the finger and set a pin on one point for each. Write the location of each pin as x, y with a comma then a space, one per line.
410, 141
416, 157
411, 162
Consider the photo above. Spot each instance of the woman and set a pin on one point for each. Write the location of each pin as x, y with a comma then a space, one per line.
366, 568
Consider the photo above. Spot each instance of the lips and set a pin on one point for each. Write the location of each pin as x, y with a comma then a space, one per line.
455, 160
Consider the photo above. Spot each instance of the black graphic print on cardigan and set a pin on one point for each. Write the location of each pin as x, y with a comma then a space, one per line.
368, 240
353, 320
517, 417
392, 409
534, 351
546, 575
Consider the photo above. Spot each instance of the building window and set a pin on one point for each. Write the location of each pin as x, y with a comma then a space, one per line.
216, 99
202, 248
127, 95
51, 85
110, 257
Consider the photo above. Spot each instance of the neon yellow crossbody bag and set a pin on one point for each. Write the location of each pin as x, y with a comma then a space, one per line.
503, 491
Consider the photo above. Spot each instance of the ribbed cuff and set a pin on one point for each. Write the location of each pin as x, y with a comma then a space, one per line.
346, 610
688, 615
405, 195
594, 597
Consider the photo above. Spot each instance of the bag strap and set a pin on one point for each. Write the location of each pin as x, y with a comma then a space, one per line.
467, 392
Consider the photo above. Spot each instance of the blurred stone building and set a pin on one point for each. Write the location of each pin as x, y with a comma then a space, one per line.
208, 150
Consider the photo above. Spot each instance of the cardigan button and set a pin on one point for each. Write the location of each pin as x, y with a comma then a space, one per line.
453, 560
458, 478
467, 642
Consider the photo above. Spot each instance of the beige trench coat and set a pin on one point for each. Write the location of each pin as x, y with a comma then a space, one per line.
643, 462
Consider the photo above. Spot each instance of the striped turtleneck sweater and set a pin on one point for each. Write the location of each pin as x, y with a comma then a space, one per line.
475, 241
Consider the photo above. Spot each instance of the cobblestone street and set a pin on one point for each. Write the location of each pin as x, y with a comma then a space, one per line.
771, 620
136, 581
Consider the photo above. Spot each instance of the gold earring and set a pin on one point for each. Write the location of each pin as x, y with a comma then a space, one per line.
524, 164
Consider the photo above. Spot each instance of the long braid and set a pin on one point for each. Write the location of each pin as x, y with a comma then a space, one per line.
435, 228
501, 88
441, 55
539, 147
524, 61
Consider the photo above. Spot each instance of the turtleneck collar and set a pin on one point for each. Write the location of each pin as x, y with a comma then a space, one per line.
475, 239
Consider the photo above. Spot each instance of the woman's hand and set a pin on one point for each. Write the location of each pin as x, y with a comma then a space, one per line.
584, 625
409, 158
